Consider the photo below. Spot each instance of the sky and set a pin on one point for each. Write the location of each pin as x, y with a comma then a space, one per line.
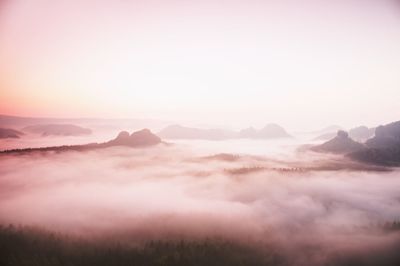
302, 64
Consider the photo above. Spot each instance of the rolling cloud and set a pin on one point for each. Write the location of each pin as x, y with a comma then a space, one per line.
173, 192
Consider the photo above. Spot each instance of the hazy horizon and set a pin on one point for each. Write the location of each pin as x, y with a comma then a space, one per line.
200, 124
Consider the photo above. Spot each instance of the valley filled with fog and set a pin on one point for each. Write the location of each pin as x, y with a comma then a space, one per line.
266, 193
200, 133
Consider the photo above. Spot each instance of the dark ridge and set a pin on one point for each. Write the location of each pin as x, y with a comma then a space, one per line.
6, 133
384, 156
361, 134
341, 144
387, 136
139, 138
383, 148
142, 138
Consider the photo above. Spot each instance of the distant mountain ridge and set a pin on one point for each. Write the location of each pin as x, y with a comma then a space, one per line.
18, 122
328, 130
387, 136
360, 133
181, 132
270, 131
138, 139
341, 144
382, 149
6, 133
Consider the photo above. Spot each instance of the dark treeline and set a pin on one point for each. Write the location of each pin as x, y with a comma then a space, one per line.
84, 147
392, 226
32, 247
24, 246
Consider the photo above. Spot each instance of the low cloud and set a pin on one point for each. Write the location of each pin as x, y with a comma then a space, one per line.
174, 192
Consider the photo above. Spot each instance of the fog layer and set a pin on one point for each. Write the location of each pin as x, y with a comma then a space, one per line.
171, 191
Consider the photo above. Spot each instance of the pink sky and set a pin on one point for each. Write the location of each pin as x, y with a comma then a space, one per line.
299, 63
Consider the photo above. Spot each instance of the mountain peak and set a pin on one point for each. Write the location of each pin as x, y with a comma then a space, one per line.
142, 137
273, 130
342, 134
341, 144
